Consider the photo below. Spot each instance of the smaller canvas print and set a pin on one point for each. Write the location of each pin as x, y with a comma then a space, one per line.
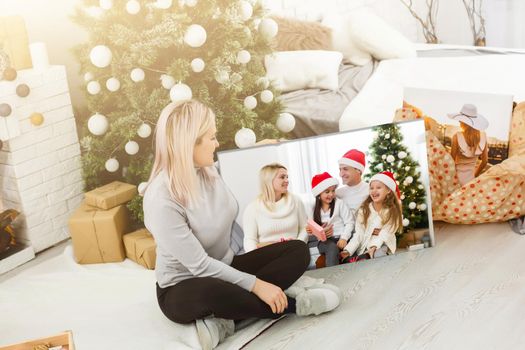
350, 196
473, 127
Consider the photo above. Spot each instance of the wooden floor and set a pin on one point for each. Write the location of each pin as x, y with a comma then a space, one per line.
468, 292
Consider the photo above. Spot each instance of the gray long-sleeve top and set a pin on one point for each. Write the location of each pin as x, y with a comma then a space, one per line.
193, 242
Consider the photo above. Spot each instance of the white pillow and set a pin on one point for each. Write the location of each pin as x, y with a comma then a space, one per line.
294, 70
361, 35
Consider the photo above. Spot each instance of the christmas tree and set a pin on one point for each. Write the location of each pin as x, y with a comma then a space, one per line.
388, 153
141, 55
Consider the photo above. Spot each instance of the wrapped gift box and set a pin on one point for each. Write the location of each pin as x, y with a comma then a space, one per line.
63, 340
14, 40
97, 234
141, 248
111, 195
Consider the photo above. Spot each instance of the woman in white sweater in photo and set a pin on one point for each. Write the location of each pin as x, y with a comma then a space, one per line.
190, 212
276, 215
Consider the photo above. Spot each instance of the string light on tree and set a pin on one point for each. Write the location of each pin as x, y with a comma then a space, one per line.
285, 122
236, 77
131, 148
98, 124
100, 56
266, 96
195, 35
112, 165
93, 87
263, 82
144, 130
113, 84
197, 65
245, 137
88, 77
243, 57
180, 92
137, 75
250, 102
133, 7
222, 77
167, 81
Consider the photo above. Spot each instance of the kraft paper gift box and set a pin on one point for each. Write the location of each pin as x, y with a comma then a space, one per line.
14, 41
63, 340
141, 248
97, 234
111, 195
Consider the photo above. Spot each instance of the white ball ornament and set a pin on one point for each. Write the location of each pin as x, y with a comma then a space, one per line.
88, 77
422, 207
222, 77
133, 7
197, 65
245, 138
163, 4
266, 96
93, 87
383, 156
407, 168
401, 154
394, 140
387, 136
402, 197
106, 4
390, 158
113, 84
285, 122
420, 187
112, 165
137, 75
142, 187
412, 205
167, 81
268, 28
246, 10
263, 82
409, 180
131, 148
180, 92
250, 102
144, 130
98, 124
195, 36
406, 222
100, 56
243, 57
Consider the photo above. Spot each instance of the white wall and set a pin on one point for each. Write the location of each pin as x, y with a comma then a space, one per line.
49, 21
505, 24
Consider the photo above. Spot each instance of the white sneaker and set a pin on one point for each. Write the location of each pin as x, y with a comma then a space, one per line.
317, 300
211, 331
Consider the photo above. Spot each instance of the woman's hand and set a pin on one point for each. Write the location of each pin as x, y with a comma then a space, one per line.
308, 230
372, 251
341, 244
271, 295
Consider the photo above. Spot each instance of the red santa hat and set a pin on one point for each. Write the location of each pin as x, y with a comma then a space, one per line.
321, 182
387, 178
355, 159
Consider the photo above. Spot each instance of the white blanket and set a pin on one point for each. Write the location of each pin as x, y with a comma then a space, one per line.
107, 306
383, 92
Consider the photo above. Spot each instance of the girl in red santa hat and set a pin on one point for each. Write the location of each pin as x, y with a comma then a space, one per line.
333, 215
378, 220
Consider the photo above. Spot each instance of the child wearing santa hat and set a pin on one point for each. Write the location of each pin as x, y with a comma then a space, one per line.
330, 212
378, 220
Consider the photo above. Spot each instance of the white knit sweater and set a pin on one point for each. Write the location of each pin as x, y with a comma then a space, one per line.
342, 219
363, 238
287, 220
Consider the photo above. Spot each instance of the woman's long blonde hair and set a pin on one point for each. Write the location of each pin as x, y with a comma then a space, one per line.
472, 136
266, 176
391, 212
181, 126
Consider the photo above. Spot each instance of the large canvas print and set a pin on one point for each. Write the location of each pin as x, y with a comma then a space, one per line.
351, 196
473, 127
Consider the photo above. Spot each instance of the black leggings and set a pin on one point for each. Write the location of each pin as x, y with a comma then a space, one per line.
195, 298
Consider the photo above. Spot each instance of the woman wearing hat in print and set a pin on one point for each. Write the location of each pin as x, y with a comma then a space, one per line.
469, 144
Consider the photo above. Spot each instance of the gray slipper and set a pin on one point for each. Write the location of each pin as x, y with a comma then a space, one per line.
211, 331
518, 225
316, 301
